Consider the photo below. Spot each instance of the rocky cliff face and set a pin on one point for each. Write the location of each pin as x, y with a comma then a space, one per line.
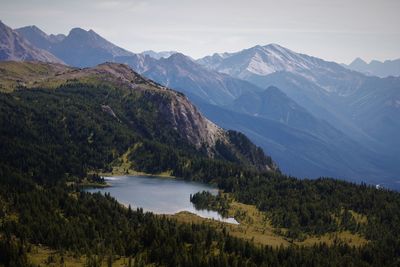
197, 129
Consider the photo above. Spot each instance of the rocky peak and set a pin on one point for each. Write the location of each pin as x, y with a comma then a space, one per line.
79, 35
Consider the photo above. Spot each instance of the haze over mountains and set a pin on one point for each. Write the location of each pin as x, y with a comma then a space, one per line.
315, 118
79, 48
375, 67
348, 100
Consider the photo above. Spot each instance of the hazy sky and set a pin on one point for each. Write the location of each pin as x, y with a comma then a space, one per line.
338, 30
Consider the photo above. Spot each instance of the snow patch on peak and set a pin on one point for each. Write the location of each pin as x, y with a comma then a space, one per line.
258, 66
273, 58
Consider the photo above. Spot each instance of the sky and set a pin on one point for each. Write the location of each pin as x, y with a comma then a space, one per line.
335, 30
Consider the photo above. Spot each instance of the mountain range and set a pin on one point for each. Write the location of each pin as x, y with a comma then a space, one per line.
79, 48
376, 67
362, 107
315, 118
15, 47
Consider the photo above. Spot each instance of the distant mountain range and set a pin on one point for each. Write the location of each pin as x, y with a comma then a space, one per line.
79, 48
82, 48
375, 67
363, 107
315, 118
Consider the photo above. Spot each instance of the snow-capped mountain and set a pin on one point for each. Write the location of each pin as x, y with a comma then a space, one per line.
260, 61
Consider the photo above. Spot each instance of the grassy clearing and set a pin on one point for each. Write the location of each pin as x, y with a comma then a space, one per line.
344, 236
29, 74
255, 226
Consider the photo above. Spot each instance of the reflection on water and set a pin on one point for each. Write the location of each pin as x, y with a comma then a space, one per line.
159, 195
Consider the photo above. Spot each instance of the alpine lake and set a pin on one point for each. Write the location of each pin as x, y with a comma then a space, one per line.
159, 195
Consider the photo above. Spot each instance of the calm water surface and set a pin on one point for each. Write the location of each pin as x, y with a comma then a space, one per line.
159, 195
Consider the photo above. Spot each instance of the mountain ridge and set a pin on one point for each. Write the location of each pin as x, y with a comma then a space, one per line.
80, 48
